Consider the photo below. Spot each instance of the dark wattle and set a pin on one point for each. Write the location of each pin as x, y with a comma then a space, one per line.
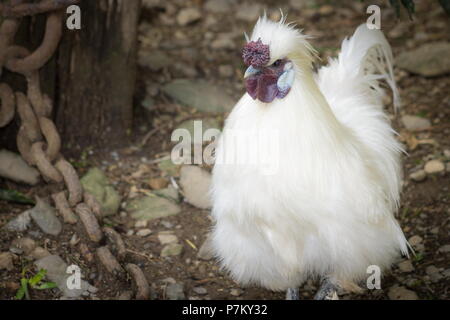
262, 87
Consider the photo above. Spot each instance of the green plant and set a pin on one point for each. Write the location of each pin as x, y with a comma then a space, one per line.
35, 282
418, 257
14, 196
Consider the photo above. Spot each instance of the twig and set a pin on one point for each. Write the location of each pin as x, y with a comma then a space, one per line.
140, 254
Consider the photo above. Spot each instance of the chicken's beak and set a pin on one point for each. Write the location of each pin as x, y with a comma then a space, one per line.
250, 71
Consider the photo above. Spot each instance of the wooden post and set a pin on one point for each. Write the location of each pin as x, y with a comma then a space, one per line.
96, 73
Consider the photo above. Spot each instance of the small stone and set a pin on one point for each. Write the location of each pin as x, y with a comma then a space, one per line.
167, 224
39, 253
166, 237
415, 240
97, 184
236, 292
199, 125
418, 176
275, 15
169, 280
206, 251
143, 232
152, 207
23, 245
57, 272
412, 282
74, 240
213, 98
218, 6
200, 290
148, 103
398, 30
249, 12
20, 223
188, 15
169, 167
45, 217
429, 60
431, 270
434, 274
210, 21
406, 266
172, 249
223, 41
141, 224
169, 193
12, 286
155, 60
447, 153
445, 248
175, 291
126, 295
401, 293
183, 70
6, 261
414, 123
158, 183
446, 273
225, 71
326, 10
12, 166
434, 166
297, 5
435, 230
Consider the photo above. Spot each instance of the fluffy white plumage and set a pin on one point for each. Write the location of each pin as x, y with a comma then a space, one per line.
328, 208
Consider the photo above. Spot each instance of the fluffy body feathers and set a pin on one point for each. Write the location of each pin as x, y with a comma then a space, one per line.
328, 208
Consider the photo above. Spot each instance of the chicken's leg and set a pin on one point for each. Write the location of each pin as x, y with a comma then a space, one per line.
328, 290
292, 294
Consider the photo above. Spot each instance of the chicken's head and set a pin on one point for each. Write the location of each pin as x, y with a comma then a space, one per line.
273, 55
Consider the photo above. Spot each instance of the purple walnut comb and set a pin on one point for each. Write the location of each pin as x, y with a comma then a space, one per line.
256, 54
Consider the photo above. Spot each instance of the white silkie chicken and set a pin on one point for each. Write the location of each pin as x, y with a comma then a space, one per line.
325, 209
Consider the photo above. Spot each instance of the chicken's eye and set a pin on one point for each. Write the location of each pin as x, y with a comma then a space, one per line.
277, 63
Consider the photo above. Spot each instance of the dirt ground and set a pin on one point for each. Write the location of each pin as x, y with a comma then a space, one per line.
425, 210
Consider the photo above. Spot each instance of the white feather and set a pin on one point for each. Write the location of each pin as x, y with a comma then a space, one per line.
328, 208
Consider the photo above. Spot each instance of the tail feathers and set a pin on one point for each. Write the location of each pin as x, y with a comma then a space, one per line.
367, 52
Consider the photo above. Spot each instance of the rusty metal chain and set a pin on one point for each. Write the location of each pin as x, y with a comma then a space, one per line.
38, 140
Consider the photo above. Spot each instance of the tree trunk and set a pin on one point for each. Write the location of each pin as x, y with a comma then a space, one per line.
96, 74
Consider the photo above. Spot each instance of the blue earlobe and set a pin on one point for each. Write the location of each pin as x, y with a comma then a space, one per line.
286, 80
250, 71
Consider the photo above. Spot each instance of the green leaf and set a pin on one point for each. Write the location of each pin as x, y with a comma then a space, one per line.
46, 285
23, 290
14, 196
37, 278
418, 257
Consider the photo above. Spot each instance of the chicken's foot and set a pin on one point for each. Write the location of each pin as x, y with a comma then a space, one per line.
292, 294
328, 290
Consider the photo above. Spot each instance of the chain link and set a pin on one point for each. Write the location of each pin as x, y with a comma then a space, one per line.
38, 140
